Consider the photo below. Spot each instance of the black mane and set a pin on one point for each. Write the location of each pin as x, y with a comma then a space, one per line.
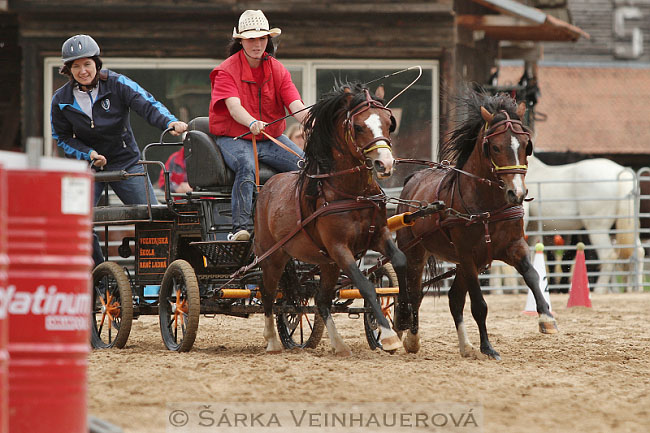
321, 126
459, 143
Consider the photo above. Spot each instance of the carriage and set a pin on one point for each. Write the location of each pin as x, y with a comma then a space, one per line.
340, 212
184, 264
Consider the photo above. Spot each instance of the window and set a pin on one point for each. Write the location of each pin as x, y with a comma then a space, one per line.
183, 86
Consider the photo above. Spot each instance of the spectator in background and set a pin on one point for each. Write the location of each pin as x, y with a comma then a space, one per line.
175, 165
297, 135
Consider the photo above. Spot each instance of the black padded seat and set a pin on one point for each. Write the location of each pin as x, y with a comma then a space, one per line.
206, 168
129, 213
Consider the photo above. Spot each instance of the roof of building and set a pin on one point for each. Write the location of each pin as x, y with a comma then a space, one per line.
514, 21
594, 110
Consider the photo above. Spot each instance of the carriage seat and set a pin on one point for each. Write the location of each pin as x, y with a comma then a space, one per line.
206, 168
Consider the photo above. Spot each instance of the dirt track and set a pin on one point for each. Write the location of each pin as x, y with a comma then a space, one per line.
594, 376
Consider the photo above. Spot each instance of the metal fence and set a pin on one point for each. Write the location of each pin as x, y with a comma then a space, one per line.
629, 269
626, 265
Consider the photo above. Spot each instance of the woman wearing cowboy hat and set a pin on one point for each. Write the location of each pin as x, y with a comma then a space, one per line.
249, 89
90, 120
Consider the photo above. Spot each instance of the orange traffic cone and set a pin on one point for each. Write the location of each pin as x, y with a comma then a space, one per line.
579, 293
540, 266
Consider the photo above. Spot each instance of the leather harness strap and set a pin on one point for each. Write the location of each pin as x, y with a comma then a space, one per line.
327, 209
257, 164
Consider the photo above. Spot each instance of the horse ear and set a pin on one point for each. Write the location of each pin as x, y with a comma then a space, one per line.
380, 92
486, 115
521, 109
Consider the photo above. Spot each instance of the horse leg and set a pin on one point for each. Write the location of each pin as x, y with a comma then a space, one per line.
329, 276
272, 269
606, 255
390, 342
399, 262
547, 324
479, 308
408, 305
456, 295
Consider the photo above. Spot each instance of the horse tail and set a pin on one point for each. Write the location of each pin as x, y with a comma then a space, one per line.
625, 224
432, 269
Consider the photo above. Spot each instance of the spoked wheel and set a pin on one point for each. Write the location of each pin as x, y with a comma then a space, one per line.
112, 307
299, 330
179, 306
382, 277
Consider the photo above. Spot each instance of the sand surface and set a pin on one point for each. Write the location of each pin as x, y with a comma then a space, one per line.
593, 376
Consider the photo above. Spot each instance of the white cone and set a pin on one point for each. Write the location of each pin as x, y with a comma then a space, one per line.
540, 266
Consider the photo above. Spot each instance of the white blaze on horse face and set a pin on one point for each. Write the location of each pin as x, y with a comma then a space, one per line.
384, 155
518, 179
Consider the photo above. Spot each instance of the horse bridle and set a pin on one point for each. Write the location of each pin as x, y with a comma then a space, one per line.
508, 122
348, 124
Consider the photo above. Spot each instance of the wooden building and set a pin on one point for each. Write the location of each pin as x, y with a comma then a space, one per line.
169, 47
594, 93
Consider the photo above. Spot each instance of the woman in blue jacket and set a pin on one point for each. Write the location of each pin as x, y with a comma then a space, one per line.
90, 120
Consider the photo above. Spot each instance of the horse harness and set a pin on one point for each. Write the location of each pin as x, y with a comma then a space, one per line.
350, 202
454, 217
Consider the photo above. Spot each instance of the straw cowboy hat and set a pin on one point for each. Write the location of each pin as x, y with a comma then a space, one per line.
253, 24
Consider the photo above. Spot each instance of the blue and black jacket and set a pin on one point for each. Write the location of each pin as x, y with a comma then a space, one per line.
109, 132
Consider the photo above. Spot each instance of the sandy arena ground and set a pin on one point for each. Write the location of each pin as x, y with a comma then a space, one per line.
594, 376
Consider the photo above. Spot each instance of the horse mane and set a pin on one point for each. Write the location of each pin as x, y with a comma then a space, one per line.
458, 144
322, 128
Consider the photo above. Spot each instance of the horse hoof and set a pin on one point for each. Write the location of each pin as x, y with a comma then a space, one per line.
411, 343
470, 351
343, 353
391, 344
548, 327
490, 353
274, 348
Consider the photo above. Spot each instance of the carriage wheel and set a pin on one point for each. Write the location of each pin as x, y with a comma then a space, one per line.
299, 330
179, 306
112, 307
382, 277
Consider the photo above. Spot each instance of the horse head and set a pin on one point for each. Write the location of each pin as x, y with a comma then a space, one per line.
349, 128
506, 144
368, 125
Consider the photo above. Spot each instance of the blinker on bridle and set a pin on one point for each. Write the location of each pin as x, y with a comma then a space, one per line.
508, 122
349, 125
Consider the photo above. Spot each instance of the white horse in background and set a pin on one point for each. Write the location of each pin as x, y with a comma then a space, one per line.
575, 205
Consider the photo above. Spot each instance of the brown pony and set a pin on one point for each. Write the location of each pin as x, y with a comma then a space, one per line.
333, 211
484, 190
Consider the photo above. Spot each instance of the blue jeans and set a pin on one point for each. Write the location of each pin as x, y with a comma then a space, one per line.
238, 155
130, 191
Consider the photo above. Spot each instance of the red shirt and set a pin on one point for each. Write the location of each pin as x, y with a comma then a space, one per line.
176, 167
266, 102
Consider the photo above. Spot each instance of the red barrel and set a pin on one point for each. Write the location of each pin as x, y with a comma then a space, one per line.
4, 324
49, 298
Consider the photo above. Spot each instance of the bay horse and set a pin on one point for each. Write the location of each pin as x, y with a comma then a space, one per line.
333, 210
481, 181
